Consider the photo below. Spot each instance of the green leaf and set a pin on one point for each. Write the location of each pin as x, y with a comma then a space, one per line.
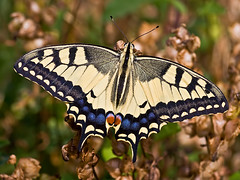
210, 7
168, 130
4, 142
171, 172
179, 6
193, 157
235, 176
118, 8
106, 151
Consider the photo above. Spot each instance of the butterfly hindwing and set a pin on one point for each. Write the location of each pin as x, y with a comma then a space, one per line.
92, 121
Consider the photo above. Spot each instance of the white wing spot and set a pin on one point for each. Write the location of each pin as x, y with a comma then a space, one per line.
53, 88
153, 125
47, 82
132, 137
122, 135
87, 77
89, 128
70, 98
216, 106
209, 107
201, 108
175, 116
152, 132
192, 110
68, 72
147, 92
184, 114
60, 93
161, 125
164, 117
223, 104
67, 106
100, 131
32, 73
82, 117
75, 109
39, 77
25, 68
19, 64
79, 124
154, 91
143, 130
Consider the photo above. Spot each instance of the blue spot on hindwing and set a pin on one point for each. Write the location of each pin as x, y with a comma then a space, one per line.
91, 117
151, 116
126, 124
143, 120
85, 109
101, 119
135, 126
81, 102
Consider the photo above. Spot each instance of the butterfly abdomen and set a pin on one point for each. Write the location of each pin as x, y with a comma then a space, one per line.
123, 79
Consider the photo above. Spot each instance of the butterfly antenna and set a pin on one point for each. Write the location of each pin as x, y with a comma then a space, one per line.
119, 28
145, 33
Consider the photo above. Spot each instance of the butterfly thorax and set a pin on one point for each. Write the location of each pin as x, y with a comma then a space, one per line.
123, 79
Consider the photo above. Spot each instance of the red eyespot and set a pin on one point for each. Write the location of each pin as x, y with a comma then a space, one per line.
118, 120
110, 119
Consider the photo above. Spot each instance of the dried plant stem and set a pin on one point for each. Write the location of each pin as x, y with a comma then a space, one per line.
207, 144
94, 172
70, 27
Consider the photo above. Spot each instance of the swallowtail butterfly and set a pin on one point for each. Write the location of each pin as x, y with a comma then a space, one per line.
136, 95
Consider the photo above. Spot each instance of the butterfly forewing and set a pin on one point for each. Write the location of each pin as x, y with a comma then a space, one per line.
63, 70
184, 92
134, 95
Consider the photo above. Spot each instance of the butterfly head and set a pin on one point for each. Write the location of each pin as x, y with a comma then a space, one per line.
129, 46
121, 45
